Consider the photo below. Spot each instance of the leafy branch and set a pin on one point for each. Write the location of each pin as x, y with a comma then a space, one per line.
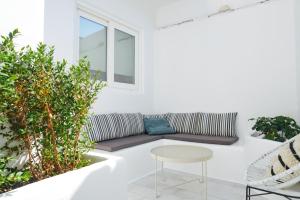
278, 128
46, 104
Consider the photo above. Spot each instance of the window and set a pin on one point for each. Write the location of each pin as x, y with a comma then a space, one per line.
112, 49
124, 57
93, 45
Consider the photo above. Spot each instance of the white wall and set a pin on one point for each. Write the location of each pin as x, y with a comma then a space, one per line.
94, 182
297, 34
27, 16
14, 14
60, 28
234, 159
242, 61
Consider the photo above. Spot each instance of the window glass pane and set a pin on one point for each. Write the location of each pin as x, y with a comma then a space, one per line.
93, 45
124, 57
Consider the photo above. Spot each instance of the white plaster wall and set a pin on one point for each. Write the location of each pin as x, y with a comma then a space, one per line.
27, 16
90, 182
60, 28
242, 61
297, 43
229, 163
138, 160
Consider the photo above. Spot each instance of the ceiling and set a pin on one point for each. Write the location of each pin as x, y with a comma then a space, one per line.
214, 3
159, 3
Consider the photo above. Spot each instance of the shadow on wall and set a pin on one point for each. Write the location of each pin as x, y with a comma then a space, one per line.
104, 182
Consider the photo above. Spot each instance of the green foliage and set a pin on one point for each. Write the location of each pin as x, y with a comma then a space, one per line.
6, 81
47, 104
10, 177
278, 128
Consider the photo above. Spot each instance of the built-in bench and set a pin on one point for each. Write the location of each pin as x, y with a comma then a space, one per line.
113, 132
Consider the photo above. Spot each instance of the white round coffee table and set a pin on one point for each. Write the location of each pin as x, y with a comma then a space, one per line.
182, 154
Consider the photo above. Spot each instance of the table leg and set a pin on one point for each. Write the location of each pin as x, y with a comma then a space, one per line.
205, 181
201, 180
156, 195
162, 171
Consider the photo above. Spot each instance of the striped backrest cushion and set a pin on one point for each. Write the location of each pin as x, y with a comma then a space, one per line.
110, 126
217, 124
130, 124
102, 127
183, 122
156, 116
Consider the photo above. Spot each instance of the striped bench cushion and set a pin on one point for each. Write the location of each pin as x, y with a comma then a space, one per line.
217, 124
110, 126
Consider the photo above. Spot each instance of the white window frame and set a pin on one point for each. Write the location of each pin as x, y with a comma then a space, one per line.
112, 23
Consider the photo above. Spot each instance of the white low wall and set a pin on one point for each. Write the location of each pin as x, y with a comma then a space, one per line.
229, 163
97, 181
138, 160
255, 148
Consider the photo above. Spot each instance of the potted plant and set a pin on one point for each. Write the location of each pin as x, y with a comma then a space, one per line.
45, 104
279, 128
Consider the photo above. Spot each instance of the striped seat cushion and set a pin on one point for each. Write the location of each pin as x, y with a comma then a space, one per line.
217, 124
184, 122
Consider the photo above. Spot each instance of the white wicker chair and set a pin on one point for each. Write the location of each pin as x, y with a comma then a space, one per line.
258, 178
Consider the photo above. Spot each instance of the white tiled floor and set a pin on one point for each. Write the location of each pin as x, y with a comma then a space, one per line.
217, 190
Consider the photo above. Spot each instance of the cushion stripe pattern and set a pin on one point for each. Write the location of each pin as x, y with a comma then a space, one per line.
130, 124
102, 127
288, 157
156, 116
217, 124
183, 122
294, 152
110, 126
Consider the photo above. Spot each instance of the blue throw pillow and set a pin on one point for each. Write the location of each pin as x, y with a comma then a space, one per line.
157, 126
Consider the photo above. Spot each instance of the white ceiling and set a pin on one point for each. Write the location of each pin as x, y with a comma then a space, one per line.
199, 7
159, 3
215, 3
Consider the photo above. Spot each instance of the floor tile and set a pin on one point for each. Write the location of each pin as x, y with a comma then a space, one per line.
143, 189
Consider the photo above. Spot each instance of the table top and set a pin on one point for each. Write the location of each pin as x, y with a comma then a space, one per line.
181, 153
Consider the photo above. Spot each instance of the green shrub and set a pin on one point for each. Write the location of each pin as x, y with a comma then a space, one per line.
10, 177
278, 128
47, 104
